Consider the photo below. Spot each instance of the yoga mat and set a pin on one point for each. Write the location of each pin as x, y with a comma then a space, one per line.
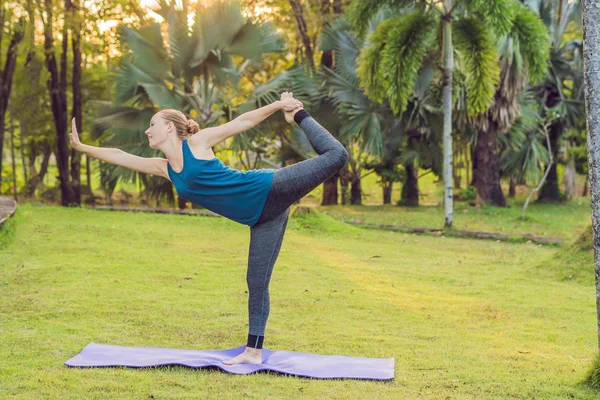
285, 362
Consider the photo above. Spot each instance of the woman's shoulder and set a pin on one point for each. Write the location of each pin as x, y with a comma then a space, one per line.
199, 149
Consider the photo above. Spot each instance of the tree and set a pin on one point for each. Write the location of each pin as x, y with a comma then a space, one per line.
17, 33
330, 186
72, 8
57, 87
303, 32
380, 139
560, 91
524, 52
591, 58
391, 61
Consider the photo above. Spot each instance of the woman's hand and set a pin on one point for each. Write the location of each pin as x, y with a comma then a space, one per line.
288, 103
289, 114
75, 142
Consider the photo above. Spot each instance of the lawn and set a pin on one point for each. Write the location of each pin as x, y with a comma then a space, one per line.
563, 222
463, 318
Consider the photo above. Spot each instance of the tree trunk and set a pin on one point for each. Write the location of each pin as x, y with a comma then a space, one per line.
356, 190
456, 171
550, 192
345, 183
467, 163
39, 177
387, 192
447, 108
512, 188
77, 112
410, 188
303, 32
585, 186
12, 156
6, 76
327, 56
22, 127
591, 57
330, 191
57, 87
569, 179
181, 203
487, 175
88, 173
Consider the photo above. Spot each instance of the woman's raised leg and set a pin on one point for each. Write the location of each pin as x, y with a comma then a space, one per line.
293, 182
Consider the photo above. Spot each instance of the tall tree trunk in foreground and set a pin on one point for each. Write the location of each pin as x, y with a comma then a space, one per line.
591, 73
447, 107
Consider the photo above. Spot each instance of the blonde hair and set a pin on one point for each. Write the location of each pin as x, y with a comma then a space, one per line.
183, 126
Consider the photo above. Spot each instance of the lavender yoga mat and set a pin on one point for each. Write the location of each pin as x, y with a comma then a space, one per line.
286, 362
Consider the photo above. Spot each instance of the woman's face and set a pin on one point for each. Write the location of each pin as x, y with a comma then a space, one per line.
158, 130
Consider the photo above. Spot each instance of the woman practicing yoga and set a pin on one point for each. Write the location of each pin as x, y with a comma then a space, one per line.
257, 198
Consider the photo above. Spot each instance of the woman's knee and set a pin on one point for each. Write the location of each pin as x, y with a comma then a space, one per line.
340, 156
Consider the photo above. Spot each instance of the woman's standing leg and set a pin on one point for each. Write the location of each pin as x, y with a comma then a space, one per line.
265, 243
293, 182
289, 185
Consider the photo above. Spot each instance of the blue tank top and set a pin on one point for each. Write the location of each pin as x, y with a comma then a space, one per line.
237, 195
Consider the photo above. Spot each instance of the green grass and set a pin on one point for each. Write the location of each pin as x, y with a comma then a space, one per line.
564, 221
464, 319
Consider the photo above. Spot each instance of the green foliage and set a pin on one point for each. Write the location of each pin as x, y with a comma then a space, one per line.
360, 12
468, 194
408, 43
392, 60
477, 52
369, 63
532, 37
524, 154
497, 15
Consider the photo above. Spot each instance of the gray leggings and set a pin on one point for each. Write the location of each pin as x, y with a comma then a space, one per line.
290, 184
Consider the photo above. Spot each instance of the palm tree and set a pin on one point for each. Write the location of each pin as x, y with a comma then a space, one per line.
381, 138
391, 61
524, 152
523, 52
561, 89
194, 71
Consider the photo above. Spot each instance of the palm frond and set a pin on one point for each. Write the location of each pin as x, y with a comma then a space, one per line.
360, 12
369, 63
180, 42
253, 40
408, 43
147, 50
534, 45
477, 50
215, 26
497, 15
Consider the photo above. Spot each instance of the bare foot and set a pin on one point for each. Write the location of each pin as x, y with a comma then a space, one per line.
289, 115
249, 356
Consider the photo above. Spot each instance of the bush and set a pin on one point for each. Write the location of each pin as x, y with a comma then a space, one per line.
467, 194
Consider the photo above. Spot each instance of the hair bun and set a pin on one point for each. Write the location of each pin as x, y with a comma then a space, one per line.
192, 127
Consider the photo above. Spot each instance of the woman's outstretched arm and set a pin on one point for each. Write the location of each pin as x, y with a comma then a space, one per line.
154, 166
209, 137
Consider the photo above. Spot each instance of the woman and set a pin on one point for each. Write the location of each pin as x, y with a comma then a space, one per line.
257, 198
